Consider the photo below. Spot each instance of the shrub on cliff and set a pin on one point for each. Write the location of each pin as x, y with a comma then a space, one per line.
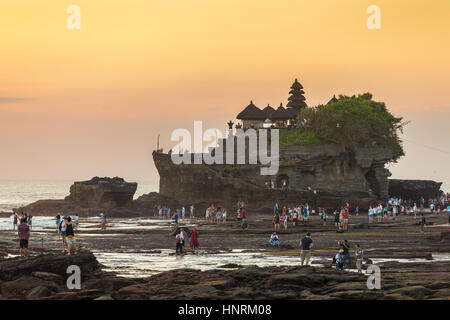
351, 122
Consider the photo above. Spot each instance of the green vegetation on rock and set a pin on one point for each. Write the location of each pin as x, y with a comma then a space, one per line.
352, 122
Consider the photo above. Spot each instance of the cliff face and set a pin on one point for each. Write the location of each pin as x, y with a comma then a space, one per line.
335, 174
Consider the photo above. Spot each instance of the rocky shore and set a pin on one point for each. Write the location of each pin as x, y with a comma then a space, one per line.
409, 262
45, 276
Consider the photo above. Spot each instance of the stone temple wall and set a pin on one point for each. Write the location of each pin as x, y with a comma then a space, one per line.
336, 175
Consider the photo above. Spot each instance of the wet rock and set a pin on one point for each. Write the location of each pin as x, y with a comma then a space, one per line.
39, 292
230, 266
53, 264
48, 276
105, 297
416, 292
23, 286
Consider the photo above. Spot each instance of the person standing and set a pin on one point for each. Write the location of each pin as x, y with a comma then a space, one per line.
15, 220
184, 237
70, 236
422, 223
62, 230
359, 258
30, 221
179, 245
192, 212
345, 246
24, 235
276, 221
324, 217
345, 215
306, 244
58, 221
370, 213
194, 239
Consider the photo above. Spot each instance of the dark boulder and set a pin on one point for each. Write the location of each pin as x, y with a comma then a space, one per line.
414, 189
105, 193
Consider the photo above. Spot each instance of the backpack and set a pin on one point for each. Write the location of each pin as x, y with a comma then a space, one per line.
178, 238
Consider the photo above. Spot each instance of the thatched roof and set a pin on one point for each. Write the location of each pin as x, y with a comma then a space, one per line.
268, 111
280, 114
251, 112
334, 99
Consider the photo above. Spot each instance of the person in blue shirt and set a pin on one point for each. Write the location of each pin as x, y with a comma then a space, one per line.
306, 244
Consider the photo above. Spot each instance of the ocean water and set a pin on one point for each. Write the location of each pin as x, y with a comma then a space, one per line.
14, 193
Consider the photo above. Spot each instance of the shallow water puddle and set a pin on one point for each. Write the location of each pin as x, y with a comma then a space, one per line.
129, 264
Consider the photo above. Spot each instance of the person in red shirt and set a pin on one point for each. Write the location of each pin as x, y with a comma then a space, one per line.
345, 220
244, 213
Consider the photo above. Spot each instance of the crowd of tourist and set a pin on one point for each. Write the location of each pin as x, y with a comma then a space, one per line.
299, 214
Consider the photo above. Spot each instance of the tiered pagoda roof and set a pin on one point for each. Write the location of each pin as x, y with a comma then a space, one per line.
296, 98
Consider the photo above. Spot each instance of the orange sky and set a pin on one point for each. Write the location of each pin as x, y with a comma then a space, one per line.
78, 103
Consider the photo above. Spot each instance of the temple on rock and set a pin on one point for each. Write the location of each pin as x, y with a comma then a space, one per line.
325, 174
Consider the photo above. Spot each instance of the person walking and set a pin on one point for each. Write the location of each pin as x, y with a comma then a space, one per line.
306, 244
70, 236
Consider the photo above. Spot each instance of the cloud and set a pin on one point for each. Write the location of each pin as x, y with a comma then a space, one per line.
12, 99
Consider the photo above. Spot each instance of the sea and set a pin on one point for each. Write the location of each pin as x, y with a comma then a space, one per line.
17, 193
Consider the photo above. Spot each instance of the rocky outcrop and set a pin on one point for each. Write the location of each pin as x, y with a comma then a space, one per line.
105, 193
335, 174
414, 189
88, 198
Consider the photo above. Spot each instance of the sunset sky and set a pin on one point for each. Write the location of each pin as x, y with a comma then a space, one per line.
80, 103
